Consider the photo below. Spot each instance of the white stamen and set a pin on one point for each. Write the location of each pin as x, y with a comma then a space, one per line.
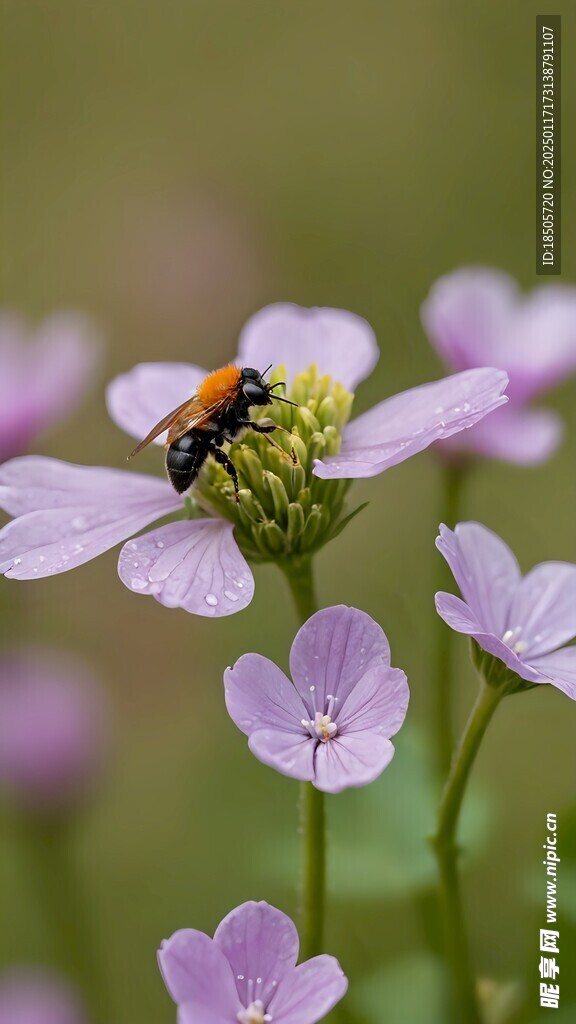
254, 1014
324, 727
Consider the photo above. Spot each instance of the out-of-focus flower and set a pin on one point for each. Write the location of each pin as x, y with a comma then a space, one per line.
476, 317
66, 515
29, 995
42, 377
247, 973
523, 621
332, 727
53, 730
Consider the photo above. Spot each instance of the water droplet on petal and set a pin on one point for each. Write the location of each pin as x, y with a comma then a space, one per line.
159, 543
79, 522
211, 600
17, 561
138, 583
230, 595
42, 558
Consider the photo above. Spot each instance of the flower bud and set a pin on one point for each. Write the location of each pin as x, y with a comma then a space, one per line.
33, 996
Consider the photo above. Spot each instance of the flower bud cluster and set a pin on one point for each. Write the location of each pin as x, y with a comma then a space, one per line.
284, 510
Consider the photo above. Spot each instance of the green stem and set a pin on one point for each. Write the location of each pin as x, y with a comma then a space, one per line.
453, 476
466, 1010
48, 857
301, 582
312, 805
313, 819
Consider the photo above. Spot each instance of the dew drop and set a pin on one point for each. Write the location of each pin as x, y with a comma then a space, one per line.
35, 570
17, 561
79, 522
42, 558
159, 543
240, 977
211, 600
138, 584
230, 595
135, 564
239, 583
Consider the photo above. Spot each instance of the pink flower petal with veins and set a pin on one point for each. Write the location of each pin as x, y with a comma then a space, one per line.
67, 515
341, 343
192, 564
408, 423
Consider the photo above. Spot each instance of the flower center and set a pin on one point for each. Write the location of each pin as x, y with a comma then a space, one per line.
511, 639
321, 726
284, 511
254, 1014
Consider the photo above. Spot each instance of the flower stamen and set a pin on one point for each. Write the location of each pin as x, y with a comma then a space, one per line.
254, 1014
511, 640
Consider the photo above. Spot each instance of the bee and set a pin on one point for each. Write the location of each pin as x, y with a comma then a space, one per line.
217, 412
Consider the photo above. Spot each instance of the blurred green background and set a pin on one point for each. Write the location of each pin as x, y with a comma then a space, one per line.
170, 167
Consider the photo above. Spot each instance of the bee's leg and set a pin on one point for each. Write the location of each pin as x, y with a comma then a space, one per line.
266, 429
226, 461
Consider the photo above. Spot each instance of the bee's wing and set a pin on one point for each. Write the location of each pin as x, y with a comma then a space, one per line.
190, 414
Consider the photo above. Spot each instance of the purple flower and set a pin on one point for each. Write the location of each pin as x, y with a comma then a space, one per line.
43, 378
342, 345
521, 620
332, 727
66, 515
53, 730
33, 996
247, 973
478, 316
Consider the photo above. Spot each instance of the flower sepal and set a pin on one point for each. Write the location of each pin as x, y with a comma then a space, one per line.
496, 674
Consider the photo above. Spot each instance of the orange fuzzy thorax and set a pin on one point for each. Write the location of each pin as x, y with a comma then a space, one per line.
219, 386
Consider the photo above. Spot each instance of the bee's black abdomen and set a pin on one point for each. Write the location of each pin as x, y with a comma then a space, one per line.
184, 460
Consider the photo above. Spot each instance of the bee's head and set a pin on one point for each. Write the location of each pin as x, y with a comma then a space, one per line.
257, 391
255, 387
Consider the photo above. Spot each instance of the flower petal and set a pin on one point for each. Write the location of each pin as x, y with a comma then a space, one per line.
467, 313
331, 653
485, 570
43, 379
354, 760
541, 350
523, 436
139, 399
407, 423
259, 695
309, 992
544, 607
378, 702
341, 343
196, 972
192, 564
559, 668
261, 946
478, 317
70, 514
458, 616
290, 753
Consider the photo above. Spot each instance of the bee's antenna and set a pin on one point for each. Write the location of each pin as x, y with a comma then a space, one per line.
287, 401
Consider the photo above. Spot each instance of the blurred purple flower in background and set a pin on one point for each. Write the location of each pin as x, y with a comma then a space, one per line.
521, 620
65, 515
477, 317
53, 730
43, 377
332, 726
247, 973
29, 995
